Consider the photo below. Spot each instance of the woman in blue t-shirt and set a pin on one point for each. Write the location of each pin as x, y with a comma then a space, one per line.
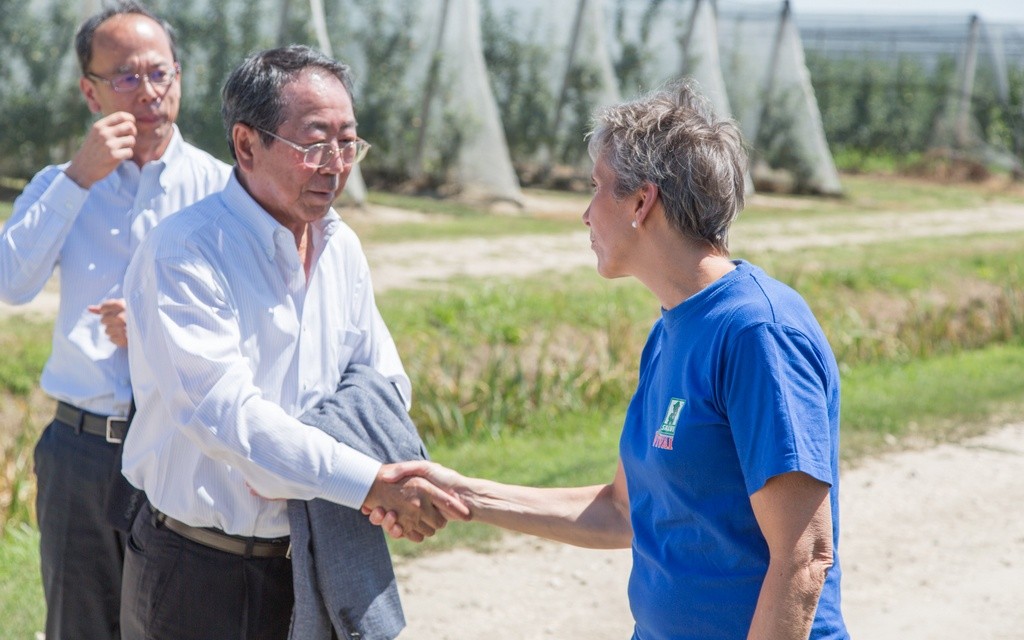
727, 485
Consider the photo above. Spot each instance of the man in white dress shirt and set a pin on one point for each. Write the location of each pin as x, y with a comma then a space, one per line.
88, 216
244, 311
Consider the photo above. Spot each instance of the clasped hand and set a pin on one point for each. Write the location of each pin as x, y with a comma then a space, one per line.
410, 506
441, 483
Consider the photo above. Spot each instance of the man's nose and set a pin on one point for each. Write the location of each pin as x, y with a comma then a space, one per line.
150, 90
335, 164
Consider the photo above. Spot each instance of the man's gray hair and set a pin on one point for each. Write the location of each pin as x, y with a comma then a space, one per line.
252, 93
673, 139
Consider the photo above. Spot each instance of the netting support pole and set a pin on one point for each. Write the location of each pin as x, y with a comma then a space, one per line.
570, 61
316, 11
769, 81
689, 35
433, 77
963, 119
283, 18
355, 187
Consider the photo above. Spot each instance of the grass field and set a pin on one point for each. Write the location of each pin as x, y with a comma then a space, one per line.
526, 380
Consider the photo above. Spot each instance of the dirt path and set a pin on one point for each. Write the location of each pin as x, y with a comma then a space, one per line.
412, 264
932, 548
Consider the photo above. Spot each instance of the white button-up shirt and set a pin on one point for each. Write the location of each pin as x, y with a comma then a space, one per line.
91, 235
228, 345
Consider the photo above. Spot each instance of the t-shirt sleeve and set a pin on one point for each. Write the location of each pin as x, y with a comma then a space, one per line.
775, 387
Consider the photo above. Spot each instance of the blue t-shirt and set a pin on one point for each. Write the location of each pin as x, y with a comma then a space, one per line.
737, 384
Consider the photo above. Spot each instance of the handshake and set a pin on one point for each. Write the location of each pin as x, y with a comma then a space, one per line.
414, 499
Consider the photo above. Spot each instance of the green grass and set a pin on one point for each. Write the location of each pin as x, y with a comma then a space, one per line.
913, 194
21, 593
935, 399
6, 208
899, 265
492, 357
856, 161
25, 344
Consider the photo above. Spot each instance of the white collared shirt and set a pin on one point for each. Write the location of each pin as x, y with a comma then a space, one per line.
228, 345
91, 234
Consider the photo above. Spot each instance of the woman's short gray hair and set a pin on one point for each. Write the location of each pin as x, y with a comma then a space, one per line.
673, 139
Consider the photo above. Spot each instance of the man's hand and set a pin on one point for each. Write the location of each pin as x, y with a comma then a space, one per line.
416, 508
113, 318
441, 478
110, 140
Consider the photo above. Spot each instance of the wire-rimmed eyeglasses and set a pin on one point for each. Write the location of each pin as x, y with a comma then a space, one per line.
321, 154
130, 82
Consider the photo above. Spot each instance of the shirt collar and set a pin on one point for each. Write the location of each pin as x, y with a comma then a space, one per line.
171, 157
262, 224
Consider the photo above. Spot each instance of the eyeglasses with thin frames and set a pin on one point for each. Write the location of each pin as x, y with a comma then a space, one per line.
130, 82
321, 154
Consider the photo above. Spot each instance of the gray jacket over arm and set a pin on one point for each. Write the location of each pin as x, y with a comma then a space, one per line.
342, 566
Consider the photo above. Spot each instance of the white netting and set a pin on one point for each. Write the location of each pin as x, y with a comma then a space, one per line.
772, 97
484, 166
702, 60
558, 50
421, 67
659, 42
907, 84
471, 96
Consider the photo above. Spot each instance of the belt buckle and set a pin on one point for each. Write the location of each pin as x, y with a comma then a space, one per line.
111, 438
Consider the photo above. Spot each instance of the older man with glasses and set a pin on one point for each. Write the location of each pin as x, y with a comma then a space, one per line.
246, 310
87, 217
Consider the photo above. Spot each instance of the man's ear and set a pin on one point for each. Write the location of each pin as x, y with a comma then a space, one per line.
244, 137
88, 89
647, 195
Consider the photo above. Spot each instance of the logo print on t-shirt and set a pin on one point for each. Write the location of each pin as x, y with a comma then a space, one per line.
667, 432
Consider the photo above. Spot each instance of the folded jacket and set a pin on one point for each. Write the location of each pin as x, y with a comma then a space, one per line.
341, 564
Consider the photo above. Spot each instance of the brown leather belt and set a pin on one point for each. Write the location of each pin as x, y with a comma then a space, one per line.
113, 428
216, 539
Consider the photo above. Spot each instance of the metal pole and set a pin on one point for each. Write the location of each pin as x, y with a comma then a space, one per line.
428, 93
963, 120
284, 14
769, 83
571, 59
316, 10
686, 39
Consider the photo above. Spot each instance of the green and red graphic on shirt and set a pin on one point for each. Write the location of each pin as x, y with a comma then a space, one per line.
663, 438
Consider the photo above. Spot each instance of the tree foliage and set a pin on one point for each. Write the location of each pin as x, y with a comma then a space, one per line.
901, 107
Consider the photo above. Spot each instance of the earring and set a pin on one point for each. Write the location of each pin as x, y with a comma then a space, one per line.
634, 224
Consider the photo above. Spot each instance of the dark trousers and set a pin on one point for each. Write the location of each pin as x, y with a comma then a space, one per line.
81, 554
176, 589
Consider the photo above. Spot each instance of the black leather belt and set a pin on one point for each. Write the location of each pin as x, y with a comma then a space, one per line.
217, 539
113, 428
